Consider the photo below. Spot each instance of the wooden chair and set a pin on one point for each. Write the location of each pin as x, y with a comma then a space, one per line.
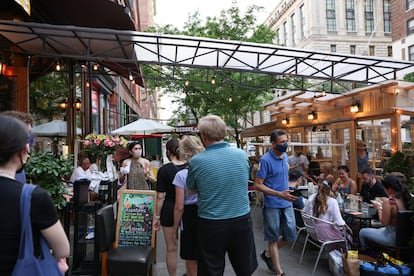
132, 260
403, 250
312, 237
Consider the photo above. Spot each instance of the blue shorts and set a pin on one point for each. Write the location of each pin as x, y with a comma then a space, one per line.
279, 222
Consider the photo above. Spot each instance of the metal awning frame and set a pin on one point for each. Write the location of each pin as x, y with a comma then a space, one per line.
129, 49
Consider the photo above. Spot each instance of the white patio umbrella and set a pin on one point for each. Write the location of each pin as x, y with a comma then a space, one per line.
143, 127
55, 128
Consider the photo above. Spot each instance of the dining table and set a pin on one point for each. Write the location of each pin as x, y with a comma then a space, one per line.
357, 220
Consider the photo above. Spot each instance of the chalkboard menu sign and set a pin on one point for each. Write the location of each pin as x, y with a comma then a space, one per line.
135, 216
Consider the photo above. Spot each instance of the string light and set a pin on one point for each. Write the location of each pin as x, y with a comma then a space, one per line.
213, 80
58, 67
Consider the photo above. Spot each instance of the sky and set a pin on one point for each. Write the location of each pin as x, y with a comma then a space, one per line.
176, 13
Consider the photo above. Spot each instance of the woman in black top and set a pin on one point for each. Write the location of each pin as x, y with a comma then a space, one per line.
14, 148
166, 201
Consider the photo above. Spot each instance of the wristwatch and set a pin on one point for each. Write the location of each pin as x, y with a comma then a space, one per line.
157, 217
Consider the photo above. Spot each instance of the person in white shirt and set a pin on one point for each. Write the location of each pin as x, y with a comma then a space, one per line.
83, 171
324, 206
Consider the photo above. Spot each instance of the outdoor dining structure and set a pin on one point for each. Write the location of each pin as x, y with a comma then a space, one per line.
330, 126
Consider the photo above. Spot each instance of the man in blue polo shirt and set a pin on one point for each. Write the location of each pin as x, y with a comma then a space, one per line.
220, 175
278, 215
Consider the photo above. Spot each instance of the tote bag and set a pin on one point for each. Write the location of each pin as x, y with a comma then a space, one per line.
27, 263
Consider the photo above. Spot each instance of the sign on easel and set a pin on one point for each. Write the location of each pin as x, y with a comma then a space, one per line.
136, 209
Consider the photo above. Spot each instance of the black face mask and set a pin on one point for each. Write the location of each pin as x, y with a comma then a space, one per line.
22, 167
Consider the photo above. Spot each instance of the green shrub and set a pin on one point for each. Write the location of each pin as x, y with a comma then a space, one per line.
47, 171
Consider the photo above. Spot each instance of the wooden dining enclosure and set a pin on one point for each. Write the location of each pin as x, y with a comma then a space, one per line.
332, 127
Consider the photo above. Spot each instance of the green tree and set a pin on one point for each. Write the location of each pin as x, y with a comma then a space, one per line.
409, 77
234, 94
46, 93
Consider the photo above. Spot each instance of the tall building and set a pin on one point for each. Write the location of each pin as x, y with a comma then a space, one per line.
361, 27
402, 15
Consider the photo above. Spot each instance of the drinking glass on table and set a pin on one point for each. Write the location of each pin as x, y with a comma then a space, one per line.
364, 208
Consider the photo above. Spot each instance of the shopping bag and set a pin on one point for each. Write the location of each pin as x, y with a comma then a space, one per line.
27, 263
384, 265
376, 269
351, 266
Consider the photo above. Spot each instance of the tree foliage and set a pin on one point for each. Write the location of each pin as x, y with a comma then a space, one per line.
229, 97
409, 77
46, 93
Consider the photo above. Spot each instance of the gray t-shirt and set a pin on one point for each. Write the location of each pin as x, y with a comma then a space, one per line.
294, 160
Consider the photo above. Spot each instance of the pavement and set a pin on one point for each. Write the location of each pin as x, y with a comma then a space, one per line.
289, 260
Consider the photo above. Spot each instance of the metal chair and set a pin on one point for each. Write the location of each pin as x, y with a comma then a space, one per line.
299, 228
312, 237
131, 260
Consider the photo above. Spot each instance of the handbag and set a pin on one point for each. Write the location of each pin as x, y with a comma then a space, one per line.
383, 266
27, 263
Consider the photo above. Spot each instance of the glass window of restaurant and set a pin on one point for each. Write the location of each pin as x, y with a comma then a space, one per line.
407, 133
327, 144
376, 134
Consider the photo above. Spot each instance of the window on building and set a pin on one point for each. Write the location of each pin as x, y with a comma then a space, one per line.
333, 48
350, 15
410, 4
292, 24
285, 34
371, 50
411, 52
410, 26
278, 37
352, 49
389, 51
369, 16
387, 16
330, 15
302, 22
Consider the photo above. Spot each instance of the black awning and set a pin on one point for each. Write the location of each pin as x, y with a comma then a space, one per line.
84, 13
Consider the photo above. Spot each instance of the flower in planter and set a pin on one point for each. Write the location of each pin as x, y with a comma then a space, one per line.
101, 145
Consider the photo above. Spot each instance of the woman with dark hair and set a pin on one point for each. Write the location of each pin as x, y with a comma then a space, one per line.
14, 149
136, 170
324, 206
387, 209
344, 184
166, 201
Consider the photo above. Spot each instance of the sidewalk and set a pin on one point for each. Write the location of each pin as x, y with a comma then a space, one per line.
290, 261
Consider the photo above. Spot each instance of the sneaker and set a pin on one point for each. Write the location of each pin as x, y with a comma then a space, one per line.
268, 261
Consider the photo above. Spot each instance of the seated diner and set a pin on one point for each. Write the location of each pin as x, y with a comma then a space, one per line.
344, 184
324, 206
387, 209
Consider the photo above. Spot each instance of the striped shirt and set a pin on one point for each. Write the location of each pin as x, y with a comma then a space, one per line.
220, 174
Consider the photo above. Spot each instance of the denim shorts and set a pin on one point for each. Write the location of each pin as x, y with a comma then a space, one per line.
279, 222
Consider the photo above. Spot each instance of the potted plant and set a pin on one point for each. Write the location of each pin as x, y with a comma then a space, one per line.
48, 171
99, 146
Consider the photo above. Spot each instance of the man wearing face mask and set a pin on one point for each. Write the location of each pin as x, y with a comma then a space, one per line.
27, 119
278, 215
136, 170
